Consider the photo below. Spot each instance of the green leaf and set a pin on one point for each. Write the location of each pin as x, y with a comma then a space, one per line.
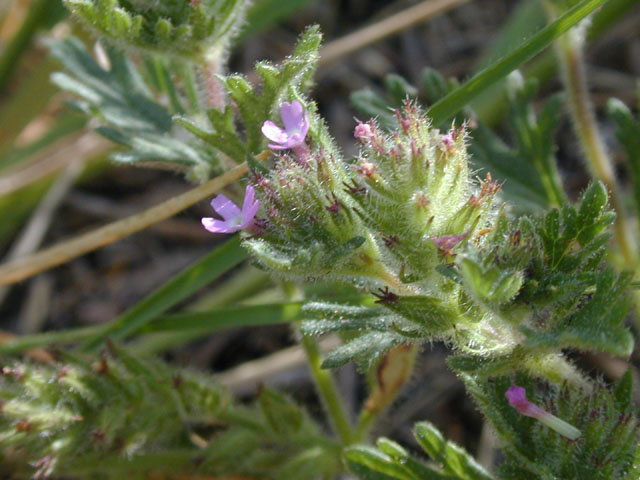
597, 323
257, 105
373, 105
399, 88
455, 460
623, 391
585, 226
124, 105
321, 318
371, 464
430, 313
187, 282
535, 136
365, 350
133, 417
456, 100
493, 284
231, 317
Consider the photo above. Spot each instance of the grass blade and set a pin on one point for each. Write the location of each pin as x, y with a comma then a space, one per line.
205, 322
213, 321
182, 285
456, 100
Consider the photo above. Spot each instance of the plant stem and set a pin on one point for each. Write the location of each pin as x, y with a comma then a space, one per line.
214, 89
570, 56
325, 385
328, 392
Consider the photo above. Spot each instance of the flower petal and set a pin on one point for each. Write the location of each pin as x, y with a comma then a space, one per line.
218, 226
284, 146
517, 397
305, 125
225, 207
250, 205
274, 132
291, 114
249, 208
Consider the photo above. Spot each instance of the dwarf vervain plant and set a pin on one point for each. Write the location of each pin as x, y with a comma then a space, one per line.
435, 251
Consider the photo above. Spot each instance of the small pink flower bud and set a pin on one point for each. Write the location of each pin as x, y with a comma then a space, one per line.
362, 131
447, 242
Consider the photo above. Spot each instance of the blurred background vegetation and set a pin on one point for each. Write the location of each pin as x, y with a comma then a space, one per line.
57, 182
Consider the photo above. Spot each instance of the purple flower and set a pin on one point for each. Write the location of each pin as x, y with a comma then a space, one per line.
517, 397
234, 218
295, 128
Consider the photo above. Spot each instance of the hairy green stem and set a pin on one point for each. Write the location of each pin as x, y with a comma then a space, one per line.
325, 385
328, 392
570, 57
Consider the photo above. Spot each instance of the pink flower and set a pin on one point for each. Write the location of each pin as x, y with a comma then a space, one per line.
517, 397
362, 131
295, 128
234, 218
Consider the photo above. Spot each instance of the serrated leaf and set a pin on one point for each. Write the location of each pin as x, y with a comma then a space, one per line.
124, 105
597, 323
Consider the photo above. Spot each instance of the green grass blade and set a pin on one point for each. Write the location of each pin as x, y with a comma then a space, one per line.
203, 322
21, 344
215, 320
491, 106
456, 100
527, 18
191, 279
